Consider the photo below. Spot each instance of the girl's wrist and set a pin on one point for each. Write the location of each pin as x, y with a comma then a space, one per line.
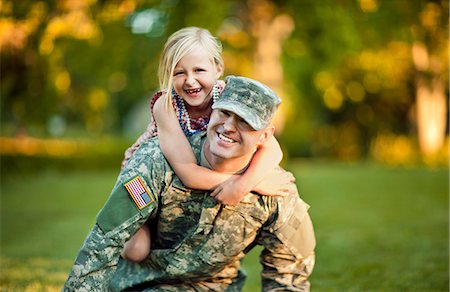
243, 186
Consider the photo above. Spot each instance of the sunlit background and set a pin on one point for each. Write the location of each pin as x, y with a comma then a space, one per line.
362, 81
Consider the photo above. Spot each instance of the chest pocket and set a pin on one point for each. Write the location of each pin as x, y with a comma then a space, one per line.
233, 229
179, 215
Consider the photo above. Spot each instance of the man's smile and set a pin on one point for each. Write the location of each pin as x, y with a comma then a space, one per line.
225, 138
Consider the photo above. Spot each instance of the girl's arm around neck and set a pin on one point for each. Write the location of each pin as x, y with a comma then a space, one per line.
267, 157
177, 150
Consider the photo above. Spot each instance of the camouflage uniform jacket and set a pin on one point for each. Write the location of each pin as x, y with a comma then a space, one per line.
197, 243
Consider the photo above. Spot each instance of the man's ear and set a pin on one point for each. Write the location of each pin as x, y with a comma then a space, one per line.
266, 134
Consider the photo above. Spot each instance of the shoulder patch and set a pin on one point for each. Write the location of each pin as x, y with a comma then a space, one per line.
139, 192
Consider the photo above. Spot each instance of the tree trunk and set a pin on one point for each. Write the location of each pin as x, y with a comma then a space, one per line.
431, 103
270, 31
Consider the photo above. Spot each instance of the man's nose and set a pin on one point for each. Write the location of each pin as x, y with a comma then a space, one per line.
230, 123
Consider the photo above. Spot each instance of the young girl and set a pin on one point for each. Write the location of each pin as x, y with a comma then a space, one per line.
190, 66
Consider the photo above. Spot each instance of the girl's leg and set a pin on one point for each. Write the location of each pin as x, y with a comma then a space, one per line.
138, 247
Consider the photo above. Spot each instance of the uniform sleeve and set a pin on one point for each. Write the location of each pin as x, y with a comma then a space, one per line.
288, 254
95, 263
122, 215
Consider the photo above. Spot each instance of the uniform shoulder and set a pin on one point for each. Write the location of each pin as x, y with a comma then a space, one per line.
292, 203
147, 161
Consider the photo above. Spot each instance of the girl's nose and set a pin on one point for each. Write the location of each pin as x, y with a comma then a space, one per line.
190, 80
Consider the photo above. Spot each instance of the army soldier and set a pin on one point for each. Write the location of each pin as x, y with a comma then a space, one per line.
198, 243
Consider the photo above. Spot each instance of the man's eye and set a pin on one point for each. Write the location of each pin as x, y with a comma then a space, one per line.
244, 125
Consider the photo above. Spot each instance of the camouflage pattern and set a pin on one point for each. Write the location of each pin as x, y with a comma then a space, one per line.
197, 243
251, 100
118, 220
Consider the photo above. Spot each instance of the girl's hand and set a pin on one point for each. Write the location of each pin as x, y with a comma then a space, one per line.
231, 191
276, 183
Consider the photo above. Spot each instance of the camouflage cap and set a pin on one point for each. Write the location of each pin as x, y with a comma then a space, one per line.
249, 99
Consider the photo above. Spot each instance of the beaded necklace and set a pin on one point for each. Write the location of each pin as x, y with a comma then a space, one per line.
183, 115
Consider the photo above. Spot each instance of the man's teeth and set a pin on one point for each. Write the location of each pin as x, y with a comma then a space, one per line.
193, 91
226, 139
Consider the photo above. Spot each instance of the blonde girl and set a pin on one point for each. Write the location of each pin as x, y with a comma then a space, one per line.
190, 67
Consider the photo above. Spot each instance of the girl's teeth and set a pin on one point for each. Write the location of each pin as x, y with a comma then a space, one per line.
193, 91
226, 139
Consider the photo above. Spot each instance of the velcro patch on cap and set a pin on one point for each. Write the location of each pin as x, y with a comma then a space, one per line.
139, 192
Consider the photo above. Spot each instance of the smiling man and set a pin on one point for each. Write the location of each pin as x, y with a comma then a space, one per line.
198, 243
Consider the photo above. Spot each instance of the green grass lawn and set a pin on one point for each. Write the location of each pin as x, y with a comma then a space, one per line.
377, 228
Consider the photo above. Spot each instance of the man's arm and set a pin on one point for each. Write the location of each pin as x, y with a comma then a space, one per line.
95, 263
288, 254
97, 259
132, 201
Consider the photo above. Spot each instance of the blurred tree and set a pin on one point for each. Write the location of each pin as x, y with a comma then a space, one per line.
270, 30
350, 65
430, 57
77, 60
352, 74
86, 63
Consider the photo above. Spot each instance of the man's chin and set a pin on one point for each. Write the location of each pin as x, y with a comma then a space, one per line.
220, 154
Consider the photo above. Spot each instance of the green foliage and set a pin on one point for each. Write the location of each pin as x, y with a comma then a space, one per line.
347, 65
99, 154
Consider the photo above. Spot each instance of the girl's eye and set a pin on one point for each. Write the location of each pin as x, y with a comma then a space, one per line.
177, 73
200, 70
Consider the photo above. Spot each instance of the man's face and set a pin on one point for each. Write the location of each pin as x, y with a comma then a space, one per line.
230, 137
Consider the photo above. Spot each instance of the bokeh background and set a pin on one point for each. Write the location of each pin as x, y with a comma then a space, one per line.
363, 125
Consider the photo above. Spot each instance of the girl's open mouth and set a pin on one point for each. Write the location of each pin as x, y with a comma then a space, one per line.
193, 91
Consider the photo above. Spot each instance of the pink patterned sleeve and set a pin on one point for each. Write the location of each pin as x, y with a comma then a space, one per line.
149, 133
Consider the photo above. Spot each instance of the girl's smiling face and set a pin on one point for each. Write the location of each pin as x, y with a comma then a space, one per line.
194, 77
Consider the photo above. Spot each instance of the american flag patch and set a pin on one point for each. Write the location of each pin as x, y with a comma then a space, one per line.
140, 194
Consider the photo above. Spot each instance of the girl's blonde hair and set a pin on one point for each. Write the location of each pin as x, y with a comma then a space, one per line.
177, 46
